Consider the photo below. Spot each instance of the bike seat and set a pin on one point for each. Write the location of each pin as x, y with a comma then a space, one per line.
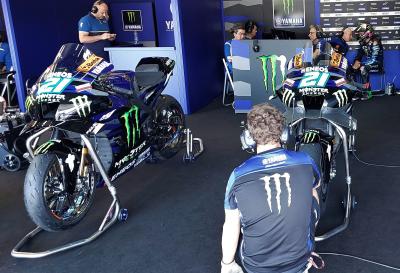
148, 75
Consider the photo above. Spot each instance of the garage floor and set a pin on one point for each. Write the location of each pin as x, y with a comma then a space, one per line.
176, 210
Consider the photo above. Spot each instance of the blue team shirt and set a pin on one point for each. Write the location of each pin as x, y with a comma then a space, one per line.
5, 55
95, 27
273, 192
228, 53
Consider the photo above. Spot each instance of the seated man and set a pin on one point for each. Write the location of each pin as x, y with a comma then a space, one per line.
371, 50
272, 198
339, 42
251, 30
238, 34
316, 37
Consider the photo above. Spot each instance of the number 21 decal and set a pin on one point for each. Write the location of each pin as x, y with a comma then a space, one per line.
54, 85
314, 79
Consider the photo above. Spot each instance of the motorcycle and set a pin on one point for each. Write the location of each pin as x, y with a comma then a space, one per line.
102, 123
316, 98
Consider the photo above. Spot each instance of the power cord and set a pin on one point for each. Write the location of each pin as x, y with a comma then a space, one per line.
359, 258
373, 164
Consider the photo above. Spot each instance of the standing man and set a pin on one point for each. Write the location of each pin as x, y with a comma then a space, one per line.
272, 199
339, 42
94, 30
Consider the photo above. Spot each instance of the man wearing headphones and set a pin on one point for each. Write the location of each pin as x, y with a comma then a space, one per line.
251, 30
316, 37
94, 30
370, 54
272, 199
339, 42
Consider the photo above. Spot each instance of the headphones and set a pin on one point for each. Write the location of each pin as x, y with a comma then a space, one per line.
341, 33
95, 9
318, 30
248, 27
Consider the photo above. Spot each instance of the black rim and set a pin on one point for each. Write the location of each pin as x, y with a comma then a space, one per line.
11, 162
170, 123
64, 201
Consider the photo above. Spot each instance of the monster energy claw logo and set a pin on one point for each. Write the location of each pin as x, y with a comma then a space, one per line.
82, 105
42, 149
341, 97
310, 136
277, 181
288, 96
29, 102
288, 5
132, 125
131, 16
273, 59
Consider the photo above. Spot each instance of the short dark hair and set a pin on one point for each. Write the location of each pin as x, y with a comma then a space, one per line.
265, 124
236, 27
249, 26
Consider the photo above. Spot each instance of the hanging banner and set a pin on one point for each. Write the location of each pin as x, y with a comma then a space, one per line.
288, 13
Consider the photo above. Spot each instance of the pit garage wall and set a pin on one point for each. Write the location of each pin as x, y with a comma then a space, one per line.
261, 11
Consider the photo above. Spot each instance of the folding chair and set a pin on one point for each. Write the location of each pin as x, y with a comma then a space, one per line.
227, 81
7, 79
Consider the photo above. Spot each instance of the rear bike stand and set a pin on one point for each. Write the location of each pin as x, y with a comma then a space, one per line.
192, 151
114, 213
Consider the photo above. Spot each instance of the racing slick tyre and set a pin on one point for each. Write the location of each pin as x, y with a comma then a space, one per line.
169, 127
314, 150
55, 197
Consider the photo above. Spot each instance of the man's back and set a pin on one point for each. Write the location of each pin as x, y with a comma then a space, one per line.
273, 192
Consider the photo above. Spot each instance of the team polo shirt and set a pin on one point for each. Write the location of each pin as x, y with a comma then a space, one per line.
94, 26
5, 55
228, 55
273, 193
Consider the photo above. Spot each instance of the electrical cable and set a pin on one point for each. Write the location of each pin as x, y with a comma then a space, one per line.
359, 258
373, 164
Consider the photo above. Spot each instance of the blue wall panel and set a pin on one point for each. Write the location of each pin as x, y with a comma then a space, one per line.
202, 38
165, 24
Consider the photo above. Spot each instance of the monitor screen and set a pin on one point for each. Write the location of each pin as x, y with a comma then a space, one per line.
132, 20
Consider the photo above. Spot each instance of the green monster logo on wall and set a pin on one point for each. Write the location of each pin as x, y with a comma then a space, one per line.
132, 125
131, 16
273, 59
288, 5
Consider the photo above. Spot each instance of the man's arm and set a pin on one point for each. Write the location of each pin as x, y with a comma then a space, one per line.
84, 37
230, 235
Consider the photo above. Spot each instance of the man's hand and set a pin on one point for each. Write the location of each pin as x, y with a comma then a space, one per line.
231, 268
107, 36
356, 65
112, 37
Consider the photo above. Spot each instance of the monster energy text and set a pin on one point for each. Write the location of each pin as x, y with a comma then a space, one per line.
273, 59
132, 125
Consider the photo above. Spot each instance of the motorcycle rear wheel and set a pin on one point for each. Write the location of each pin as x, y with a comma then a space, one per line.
54, 198
169, 127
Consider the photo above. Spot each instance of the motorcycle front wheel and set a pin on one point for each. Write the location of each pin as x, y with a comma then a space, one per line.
55, 197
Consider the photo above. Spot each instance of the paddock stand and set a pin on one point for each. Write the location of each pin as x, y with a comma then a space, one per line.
114, 212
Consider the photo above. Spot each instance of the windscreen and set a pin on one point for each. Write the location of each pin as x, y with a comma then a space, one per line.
76, 61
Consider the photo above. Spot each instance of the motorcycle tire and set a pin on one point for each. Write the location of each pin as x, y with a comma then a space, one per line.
314, 150
51, 200
169, 126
